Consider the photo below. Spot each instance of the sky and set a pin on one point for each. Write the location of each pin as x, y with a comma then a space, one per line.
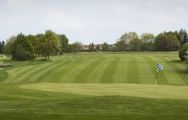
89, 21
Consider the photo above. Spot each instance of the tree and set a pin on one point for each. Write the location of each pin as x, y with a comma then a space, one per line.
8, 45
166, 42
182, 51
22, 48
98, 47
49, 44
147, 41
127, 38
75, 47
35, 43
2, 45
135, 44
91, 47
182, 36
105, 47
63, 43
120, 45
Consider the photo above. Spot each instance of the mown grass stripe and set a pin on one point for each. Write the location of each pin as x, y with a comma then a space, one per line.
38, 77
70, 77
121, 69
154, 60
169, 75
147, 75
49, 75
108, 73
16, 73
64, 69
173, 72
132, 75
96, 74
34, 71
86, 72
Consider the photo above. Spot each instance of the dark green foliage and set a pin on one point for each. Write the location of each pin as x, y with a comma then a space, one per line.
97, 47
22, 48
183, 51
63, 43
8, 46
34, 41
91, 47
135, 44
105, 47
121, 46
166, 42
182, 36
147, 42
2, 45
48, 44
75, 47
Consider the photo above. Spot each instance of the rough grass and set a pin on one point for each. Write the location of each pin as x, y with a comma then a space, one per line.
94, 87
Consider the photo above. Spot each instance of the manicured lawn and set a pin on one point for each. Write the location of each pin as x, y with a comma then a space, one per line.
95, 86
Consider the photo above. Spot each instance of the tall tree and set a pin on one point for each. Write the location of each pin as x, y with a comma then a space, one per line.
166, 42
135, 44
35, 43
147, 41
183, 37
91, 47
120, 45
2, 45
8, 45
183, 51
75, 47
105, 47
63, 43
49, 44
22, 48
127, 37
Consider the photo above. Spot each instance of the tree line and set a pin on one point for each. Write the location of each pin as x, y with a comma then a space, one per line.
28, 47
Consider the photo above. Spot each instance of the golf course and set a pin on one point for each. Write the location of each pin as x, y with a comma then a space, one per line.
95, 86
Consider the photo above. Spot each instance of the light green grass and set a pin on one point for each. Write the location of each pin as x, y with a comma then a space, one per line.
137, 90
95, 86
136, 68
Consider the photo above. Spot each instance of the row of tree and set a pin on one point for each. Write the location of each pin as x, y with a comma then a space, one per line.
27, 47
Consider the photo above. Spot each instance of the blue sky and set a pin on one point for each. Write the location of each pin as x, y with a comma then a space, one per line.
91, 20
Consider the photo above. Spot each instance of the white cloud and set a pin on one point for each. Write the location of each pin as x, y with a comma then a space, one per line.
20, 3
58, 19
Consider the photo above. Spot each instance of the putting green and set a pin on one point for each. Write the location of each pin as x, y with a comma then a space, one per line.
137, 90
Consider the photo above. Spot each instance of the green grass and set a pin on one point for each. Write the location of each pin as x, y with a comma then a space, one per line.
95, 86
135, 90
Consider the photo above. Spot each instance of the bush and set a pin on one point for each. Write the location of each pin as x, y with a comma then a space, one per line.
182, 52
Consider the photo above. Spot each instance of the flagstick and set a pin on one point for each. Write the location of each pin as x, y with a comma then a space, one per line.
156, 81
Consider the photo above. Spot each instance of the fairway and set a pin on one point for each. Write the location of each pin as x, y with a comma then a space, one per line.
136, 68
95, 86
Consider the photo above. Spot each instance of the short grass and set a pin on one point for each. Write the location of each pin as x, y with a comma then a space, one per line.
95, 86
135, 90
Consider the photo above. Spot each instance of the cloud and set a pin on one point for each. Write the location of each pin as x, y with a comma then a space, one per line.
58, 19
20, 3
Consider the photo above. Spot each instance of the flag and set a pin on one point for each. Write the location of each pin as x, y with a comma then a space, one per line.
159, 67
